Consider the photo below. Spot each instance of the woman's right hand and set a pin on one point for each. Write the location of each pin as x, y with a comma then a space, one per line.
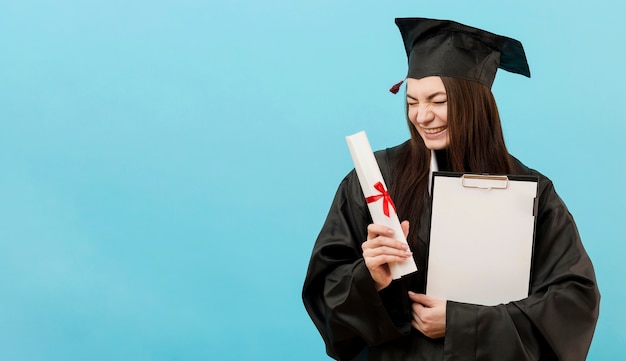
380, 249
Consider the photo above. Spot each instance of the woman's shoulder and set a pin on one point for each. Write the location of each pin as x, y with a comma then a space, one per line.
520, 168
391, 154
545, 185
387, 159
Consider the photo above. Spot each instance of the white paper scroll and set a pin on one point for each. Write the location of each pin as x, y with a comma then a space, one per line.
378, 200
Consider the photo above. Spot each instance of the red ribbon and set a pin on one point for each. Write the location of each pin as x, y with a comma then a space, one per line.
384, 195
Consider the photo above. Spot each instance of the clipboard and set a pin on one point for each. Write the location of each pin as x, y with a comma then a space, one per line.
481, 237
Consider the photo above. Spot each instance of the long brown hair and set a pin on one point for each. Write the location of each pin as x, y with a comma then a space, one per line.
476, 146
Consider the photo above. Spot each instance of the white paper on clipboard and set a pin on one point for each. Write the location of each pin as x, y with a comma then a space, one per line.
374, 188
481, 237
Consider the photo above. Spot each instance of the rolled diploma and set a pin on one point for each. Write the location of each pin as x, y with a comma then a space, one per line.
369, 174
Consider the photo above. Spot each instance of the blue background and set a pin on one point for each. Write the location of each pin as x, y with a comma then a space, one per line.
166, 165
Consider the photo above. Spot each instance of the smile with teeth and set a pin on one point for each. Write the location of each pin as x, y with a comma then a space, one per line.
434, 130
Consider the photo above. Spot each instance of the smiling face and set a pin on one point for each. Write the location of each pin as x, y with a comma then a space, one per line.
428, 110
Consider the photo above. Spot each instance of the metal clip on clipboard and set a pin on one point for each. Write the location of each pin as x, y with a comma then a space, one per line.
485, 181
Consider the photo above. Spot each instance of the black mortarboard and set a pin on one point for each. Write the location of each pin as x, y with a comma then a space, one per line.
447, 48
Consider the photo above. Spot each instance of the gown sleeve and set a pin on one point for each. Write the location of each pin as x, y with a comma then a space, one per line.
556, 321
339, 292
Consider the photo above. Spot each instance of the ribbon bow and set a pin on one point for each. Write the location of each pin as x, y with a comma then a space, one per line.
384, 195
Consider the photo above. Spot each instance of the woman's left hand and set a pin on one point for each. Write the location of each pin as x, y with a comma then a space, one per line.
428, 315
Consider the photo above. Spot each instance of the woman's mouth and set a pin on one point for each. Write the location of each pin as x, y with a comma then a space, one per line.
434, 130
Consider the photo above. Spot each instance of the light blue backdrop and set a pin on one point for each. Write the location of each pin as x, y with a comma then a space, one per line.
166, 165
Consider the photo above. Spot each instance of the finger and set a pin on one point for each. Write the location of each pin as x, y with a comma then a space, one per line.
383, 244
374, 230
420, 298
416, 309
423, 299
417, 322
418, 317
369, 251
415, 297
405, 228
381, 260
382, 234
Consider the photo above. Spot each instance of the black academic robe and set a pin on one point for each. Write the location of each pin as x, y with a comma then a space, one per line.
555, 322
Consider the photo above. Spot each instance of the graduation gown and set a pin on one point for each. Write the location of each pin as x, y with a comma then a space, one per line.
555, 322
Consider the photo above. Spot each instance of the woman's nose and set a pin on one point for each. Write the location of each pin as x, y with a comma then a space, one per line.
424, 114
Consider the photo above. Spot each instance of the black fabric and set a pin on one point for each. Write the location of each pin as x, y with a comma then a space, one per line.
443, 160
447, 48
556, 322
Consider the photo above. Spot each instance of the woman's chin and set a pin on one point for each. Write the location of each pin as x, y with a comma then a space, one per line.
436, 145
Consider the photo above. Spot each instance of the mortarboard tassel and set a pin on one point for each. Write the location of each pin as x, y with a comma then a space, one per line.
396, 87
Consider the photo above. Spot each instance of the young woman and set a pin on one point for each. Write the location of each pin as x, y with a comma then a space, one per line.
453, 120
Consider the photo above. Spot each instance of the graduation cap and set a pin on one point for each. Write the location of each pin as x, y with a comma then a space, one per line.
447, 48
